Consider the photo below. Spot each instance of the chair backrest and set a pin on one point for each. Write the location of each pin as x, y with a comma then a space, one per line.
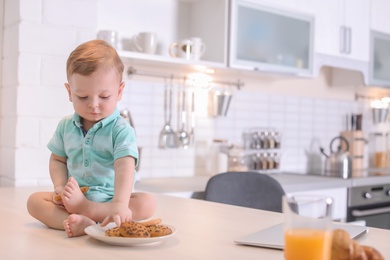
246, 189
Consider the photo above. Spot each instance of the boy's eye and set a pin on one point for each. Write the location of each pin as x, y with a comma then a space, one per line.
105, 97
81, 97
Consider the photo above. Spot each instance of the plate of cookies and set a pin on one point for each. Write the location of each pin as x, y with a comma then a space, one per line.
132, 233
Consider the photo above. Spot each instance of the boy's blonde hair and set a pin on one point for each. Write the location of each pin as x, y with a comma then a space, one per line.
92, 55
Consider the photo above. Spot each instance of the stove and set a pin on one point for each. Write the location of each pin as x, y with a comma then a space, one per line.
371, 204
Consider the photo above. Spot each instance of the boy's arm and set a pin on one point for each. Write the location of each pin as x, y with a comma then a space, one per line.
124, 179
123, 186
58, 172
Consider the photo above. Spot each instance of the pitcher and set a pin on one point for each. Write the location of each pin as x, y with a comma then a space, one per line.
198, 48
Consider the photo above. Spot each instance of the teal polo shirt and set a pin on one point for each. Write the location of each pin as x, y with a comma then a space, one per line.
90, 158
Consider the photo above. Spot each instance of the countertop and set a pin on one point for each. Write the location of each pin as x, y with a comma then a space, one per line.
205, 230
289, 181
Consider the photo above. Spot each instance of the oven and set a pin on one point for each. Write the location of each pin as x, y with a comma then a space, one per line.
370, 204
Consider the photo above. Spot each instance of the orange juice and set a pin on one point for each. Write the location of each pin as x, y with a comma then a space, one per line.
307, 244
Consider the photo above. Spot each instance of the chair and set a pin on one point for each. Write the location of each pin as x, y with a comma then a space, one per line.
246, 189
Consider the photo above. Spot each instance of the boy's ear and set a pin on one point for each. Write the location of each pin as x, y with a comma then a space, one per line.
120, 91
69, 91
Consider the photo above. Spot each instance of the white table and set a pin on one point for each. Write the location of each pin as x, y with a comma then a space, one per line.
205, 230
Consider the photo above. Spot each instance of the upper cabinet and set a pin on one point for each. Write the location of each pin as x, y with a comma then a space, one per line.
380, 16
342, 28
269, 39
176, 21
295, 37
380, 59
380, 43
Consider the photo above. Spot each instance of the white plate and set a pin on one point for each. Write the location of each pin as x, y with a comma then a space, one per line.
98, 232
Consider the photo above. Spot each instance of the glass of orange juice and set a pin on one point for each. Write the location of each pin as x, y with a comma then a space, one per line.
307, 227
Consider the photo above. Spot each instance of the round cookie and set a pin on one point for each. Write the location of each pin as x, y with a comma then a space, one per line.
159, 230
113, 232
133, 229
151, 222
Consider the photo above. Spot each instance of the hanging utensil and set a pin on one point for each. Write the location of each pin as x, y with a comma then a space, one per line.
192, 119
183, 136
168, 138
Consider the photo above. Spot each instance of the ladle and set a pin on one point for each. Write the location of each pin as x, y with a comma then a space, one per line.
183, 136
168, 138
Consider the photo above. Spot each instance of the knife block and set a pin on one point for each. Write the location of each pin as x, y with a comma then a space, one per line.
357, 143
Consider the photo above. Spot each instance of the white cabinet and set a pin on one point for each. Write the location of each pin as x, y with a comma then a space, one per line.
270, 39
342, 28
380, 59
380, 16
339, 196
173, 21
380, 43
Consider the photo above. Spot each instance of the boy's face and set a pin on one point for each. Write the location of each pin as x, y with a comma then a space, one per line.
95, 96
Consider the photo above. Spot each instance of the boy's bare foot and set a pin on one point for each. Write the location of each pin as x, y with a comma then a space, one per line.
75, 224
73, 199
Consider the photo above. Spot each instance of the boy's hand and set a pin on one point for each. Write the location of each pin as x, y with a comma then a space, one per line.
120, 213
57, 195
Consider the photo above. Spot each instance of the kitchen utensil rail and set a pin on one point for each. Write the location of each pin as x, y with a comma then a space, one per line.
131, 71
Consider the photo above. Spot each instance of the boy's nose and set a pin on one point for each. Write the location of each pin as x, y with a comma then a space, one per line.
94, 103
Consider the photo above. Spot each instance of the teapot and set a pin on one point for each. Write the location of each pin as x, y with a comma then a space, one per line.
338, 163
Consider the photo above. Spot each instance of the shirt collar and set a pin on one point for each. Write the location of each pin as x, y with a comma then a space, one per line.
102, 123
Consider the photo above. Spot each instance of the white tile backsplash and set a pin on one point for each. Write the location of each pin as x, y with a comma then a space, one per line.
299, 119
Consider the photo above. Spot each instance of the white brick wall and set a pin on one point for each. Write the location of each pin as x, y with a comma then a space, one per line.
38, 37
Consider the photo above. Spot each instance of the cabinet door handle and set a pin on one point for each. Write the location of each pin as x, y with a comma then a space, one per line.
348, 39
368, 212
342, 39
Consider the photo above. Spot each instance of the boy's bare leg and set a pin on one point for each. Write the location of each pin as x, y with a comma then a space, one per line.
141, 204
40, 205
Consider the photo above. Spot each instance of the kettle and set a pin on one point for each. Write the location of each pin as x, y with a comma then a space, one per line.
338, 163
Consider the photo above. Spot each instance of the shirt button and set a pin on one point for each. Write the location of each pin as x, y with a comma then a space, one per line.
88, 141
86, 163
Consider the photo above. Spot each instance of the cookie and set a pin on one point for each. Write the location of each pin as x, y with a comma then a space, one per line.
133, 229
58, 197
113, 232
151, 222
159, 230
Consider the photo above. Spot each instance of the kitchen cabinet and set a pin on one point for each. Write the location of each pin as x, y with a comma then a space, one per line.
380, 16
342, 28
182, 19
297, 37
379, 73
380, 59
270, 39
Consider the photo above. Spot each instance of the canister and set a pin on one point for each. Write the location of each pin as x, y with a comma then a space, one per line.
378, 149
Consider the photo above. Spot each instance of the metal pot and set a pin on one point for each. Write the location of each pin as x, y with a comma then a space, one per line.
338, 163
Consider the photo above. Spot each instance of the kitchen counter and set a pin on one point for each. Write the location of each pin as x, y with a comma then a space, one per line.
289, 181
205, 230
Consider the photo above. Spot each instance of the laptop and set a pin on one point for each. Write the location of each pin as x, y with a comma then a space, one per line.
272, 237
